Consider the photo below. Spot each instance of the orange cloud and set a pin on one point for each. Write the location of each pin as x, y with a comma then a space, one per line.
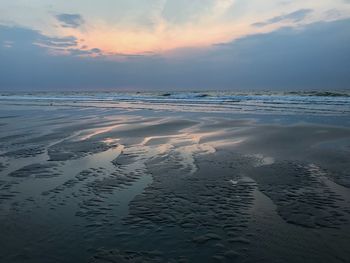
158, 35
114, 40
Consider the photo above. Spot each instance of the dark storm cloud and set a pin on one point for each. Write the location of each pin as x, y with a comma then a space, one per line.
315, 57
295, 16
70, 20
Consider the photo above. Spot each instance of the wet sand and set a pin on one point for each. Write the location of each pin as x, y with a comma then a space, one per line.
86, 184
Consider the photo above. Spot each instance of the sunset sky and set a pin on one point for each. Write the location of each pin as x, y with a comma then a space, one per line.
174, 44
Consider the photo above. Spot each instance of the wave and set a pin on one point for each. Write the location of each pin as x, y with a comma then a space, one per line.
321, 93
318, 102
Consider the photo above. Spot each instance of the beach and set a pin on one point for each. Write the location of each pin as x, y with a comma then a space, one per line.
197, 177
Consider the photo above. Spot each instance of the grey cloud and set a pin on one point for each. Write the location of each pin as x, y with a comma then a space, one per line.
295, 16
315, 57
27, 39
82, 52
55, 42
70, 20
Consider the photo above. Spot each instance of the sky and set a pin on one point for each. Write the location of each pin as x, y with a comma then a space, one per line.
174, 45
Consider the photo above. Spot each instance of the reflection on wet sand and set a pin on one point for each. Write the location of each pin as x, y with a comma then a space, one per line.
135, 186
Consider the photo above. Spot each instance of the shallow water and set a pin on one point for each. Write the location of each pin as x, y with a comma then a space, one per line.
105, 178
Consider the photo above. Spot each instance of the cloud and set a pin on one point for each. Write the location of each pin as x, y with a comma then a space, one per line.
23, 39
183, 11
57, 42
70, 20
295, 16
141, 26
316, 56
85, 52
